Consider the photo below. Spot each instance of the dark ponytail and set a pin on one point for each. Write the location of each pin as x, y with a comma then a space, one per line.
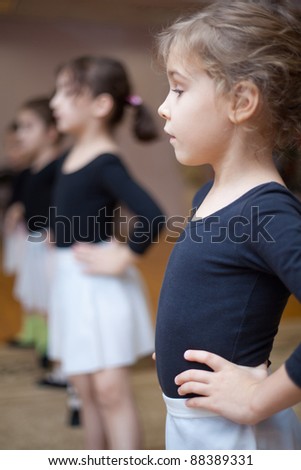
107, 75
144, 127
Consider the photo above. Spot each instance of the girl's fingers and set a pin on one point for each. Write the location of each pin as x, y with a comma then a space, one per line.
214, 361
80, 250
193, 387
200, 403
84, 257
193, 375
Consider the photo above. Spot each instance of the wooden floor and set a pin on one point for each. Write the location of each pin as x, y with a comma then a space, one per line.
33, 417
36, 418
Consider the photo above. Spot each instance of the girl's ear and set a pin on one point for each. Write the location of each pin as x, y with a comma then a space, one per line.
102, 105
245, 101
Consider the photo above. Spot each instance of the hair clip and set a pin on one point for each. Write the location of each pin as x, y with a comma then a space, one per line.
134, 100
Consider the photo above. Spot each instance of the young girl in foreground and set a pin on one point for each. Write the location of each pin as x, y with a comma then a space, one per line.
100, 323
235, 95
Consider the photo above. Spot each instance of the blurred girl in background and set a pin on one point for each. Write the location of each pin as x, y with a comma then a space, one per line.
39, 144
100, 320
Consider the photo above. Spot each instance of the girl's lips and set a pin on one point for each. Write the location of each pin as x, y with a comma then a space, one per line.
170, 136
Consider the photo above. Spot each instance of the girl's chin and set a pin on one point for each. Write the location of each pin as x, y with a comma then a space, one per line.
187, 160
65, 129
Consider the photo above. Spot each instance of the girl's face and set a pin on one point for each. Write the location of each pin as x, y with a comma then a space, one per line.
196, 119
72, 110
12, 149
32, 133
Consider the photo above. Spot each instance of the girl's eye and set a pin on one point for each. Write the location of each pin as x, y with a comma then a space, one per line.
177, 91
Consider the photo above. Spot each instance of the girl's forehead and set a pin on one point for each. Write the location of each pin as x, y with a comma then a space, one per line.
64, 78
187, 66
181, 59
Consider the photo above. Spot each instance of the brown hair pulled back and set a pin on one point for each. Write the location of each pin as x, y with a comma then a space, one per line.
256, 40
107, 75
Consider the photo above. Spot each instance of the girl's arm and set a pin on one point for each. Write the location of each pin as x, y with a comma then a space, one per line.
13, 216
148, 219
114, 257
14, 213
242, 394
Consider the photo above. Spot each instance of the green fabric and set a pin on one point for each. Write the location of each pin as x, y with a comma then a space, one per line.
34, 332
40, 334
26, 335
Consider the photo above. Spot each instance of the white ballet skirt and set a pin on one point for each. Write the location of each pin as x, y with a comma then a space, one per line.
197, 429
96, 321
34, 276
13, 250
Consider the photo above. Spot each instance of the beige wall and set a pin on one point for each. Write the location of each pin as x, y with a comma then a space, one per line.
30, 50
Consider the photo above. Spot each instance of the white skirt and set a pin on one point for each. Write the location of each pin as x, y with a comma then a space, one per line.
34, 276
97, 322
13, 250
195, 429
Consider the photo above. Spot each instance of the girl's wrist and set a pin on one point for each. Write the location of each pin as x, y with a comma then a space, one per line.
256, 410
127, 256
273, 394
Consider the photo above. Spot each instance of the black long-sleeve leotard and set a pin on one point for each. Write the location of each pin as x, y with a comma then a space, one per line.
84, 201
227, 282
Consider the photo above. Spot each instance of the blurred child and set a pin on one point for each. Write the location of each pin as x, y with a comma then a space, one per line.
17, 164
39, 143
100, 322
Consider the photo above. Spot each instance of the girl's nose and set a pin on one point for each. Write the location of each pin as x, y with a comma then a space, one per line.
52, 102
163, 111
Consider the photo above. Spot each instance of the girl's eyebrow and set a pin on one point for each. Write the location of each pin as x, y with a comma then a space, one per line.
175, 74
